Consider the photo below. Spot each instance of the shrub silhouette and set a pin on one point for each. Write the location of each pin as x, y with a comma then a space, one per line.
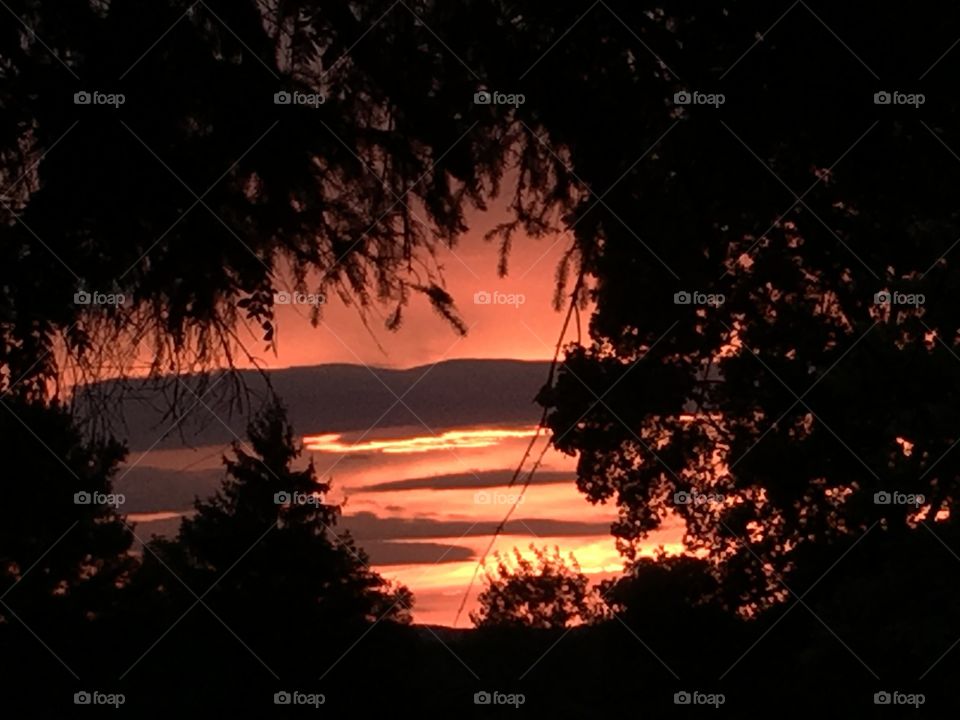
546, 592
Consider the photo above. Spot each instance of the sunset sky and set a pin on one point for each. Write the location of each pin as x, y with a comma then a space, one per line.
525, 331
422, 498
441, 356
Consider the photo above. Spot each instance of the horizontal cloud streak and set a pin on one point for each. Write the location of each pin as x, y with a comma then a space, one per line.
368, 526
408, 553
341, 399
480, 479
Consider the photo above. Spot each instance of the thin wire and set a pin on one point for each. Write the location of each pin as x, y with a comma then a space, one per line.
571, 309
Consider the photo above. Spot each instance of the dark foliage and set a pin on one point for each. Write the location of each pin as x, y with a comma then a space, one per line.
266, 544
546, 592
745, 371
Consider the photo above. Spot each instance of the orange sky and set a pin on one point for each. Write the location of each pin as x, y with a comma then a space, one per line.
457, 517
526, 331
522, 326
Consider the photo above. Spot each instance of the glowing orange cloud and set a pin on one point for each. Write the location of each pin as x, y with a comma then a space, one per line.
453, 439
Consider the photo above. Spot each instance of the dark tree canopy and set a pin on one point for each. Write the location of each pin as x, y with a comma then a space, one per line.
63, 547
798, 200
199, 196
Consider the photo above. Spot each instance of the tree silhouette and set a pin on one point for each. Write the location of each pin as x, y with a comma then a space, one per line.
662, 587
63, 545
547, 592
796, 394
266, 543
